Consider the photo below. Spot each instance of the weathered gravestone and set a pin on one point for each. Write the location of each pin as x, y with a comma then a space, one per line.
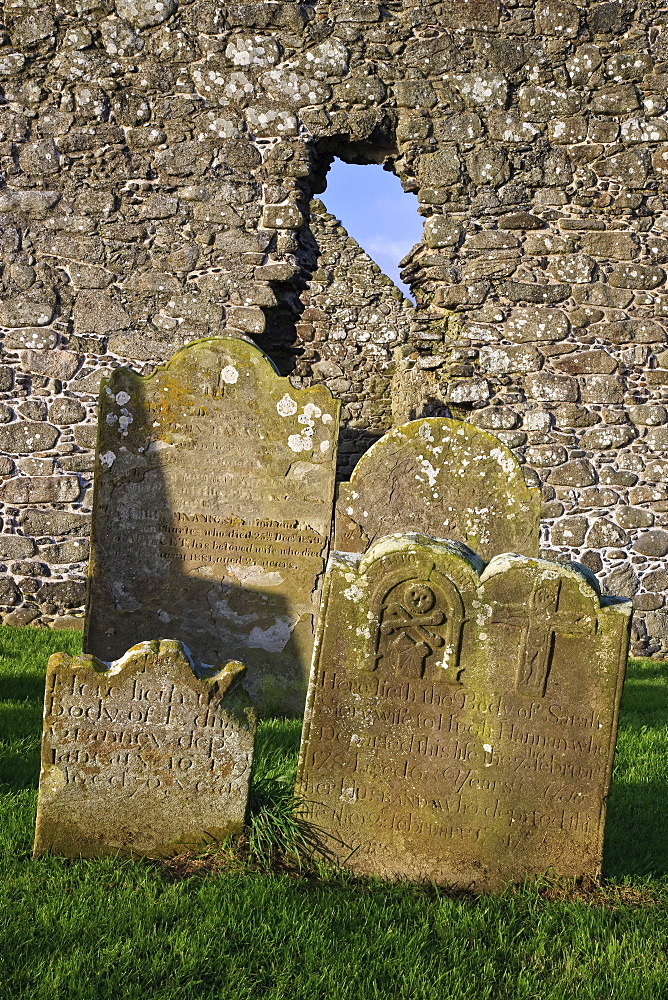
442, 478
461, 721
212, 513
147, 755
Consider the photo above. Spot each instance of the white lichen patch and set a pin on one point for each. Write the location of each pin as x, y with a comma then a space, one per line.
286, 407
229, 374
505, 460
300, 442
311, 412
255, 576
425, 431
124, 422
273, 639
430, 471
108, 459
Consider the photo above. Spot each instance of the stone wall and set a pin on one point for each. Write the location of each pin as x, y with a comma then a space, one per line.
159, 161
48, 418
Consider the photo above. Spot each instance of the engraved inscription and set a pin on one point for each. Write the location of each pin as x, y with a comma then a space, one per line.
212, 523
203, 538
480, 782
142, 756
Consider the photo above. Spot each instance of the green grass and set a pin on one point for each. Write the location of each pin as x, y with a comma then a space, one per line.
238, 931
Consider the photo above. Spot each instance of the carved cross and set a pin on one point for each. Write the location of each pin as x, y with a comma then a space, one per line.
539, 622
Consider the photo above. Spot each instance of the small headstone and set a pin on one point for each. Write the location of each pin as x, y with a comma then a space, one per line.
442, 478
146, 755
461, 722
213, 503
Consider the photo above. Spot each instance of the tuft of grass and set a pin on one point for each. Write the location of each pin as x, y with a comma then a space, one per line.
277, 835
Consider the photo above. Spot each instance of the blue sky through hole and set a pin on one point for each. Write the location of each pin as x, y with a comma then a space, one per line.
371, 204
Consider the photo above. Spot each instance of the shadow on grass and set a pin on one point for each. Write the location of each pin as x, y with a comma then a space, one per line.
22, 687
635, 840
20, 721
635, 831
644, 705
19, 765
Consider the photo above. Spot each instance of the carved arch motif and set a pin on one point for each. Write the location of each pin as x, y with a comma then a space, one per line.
420, 618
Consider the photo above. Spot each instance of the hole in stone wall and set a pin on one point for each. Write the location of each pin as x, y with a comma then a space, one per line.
372, 206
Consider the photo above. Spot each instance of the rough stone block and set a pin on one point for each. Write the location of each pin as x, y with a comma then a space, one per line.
576, 268
538, 325
543, 103
16, 546
282, 217
40, 489
38, 337
630, 331
577, 472
516, 358
603, 438
629, 168
461, 722
147, 755
570, 531
604, 533
54, 364
548, 387
600, 389
637, 276
616, 100
555, 17
24, 436
652, 543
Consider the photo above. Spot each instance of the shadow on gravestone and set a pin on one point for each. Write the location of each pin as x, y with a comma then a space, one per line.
461, 719
212, 514
147, 755
445, 479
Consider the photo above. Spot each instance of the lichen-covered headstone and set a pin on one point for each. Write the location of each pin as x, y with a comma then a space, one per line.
149, 755
442, 478
461, 719
212, 513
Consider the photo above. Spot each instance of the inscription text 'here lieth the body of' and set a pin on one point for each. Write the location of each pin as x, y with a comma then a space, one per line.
213, 504
461, 719
148, 755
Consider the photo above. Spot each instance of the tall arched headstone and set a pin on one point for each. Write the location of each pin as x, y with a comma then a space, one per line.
442, 478
212, 513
